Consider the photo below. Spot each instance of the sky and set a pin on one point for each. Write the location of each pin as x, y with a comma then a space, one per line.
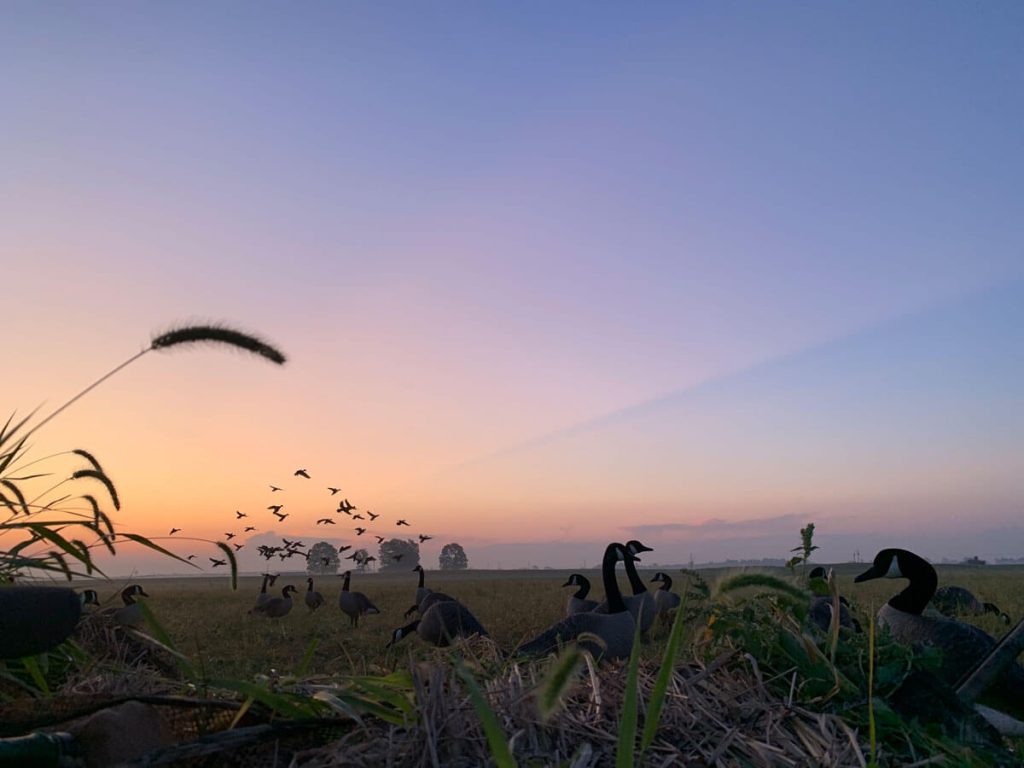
546, 276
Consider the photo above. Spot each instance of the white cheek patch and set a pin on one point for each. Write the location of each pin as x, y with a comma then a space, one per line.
894, 569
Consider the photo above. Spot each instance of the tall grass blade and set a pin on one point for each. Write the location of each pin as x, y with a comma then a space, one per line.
307, 657
90, 458
161, 636
558, 680
103, 479
17, 494
44, 531
495, 737
156, 548
624, 756
231, 562
31, 665
668, 665
872, 733
744, 580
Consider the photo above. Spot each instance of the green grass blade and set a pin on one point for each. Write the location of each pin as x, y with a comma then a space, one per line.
559, 678
31, 665
156, 547
627, 721
743, 580
161, 636
232, 562
668, 665
495, 736
307, 657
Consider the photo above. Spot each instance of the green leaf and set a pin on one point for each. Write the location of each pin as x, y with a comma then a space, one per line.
31, 665
307, 657
558, 680
161, 636
495, 736
627, 721
668, 665
231, 561
286, 704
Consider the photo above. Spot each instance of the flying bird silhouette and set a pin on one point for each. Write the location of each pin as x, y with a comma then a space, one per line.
372, 516
360, 531
380, 539
239, 515
302, 473
281, 515
174, 531
401, 522
229, 536
249, 528
343, 548
275, 488
425, 538
218, 562
238, 546
275, 507
342, 509
190, 557
357, 517
398, 558
325, 521
333, 490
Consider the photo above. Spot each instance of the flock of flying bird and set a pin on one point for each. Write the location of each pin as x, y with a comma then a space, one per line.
288, 549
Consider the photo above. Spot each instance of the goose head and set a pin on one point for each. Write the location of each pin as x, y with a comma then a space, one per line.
401, 632
634, 548
902, 564
572, 581
89, 597
128, 594
287, 591
418, 568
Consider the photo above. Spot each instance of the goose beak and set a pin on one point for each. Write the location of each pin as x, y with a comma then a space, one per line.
143, 593
874, 572
568, 583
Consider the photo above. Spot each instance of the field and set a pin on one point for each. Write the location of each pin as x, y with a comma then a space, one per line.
209, 623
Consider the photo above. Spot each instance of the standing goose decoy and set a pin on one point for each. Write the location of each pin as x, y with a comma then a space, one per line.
129, 615
615, 628
665, 600
956, 601
263, 597
354, 604
442, 622
962, 645
313, 599
641, 604
578, 602
422, 592
276, 607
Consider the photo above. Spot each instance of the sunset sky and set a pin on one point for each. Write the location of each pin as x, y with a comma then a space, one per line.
546, 275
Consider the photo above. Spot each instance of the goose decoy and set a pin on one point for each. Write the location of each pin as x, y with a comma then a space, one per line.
962, 645
276, 607
955, 601
262, 597
819, 612
129, 615
615, 628
313, 599
36, 619
421, 589
641, 603
302, 473
665, 600
89, 597
354, 604
443, 621
578, 602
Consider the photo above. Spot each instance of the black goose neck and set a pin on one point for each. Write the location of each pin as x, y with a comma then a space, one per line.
263, 588
634, 578
344, 587
666, 582
421, 578
611, 585
923, 581
584, 587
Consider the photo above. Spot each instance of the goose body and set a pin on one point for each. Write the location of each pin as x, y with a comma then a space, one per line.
614, 628
442, 622
422, 592
641, 603
262, 597
354, 604
578, 602
819, 612
962, 645
129, 615
313, 599
665, 600
957, 601
276, 607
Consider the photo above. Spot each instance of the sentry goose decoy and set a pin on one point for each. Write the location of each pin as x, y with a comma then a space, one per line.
313, 599
641, 603
957, 601
442, 622
129, 615
962, 645
354, 604
665, 600
276, 607
262, 597
578, 602
819, 612
615, 628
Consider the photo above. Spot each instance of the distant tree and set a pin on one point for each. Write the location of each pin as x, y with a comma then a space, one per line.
361, 555
407, 552
453, 558
973, 561
323, 558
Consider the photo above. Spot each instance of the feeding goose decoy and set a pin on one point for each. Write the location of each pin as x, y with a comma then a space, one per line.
962, 645
665, 600
578, 602
641, 603
354, 604
36, 619
276, 607
313, 599
614, 629
955, 601
442, 622
819, 612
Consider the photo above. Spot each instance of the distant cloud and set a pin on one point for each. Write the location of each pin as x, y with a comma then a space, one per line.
717, 528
